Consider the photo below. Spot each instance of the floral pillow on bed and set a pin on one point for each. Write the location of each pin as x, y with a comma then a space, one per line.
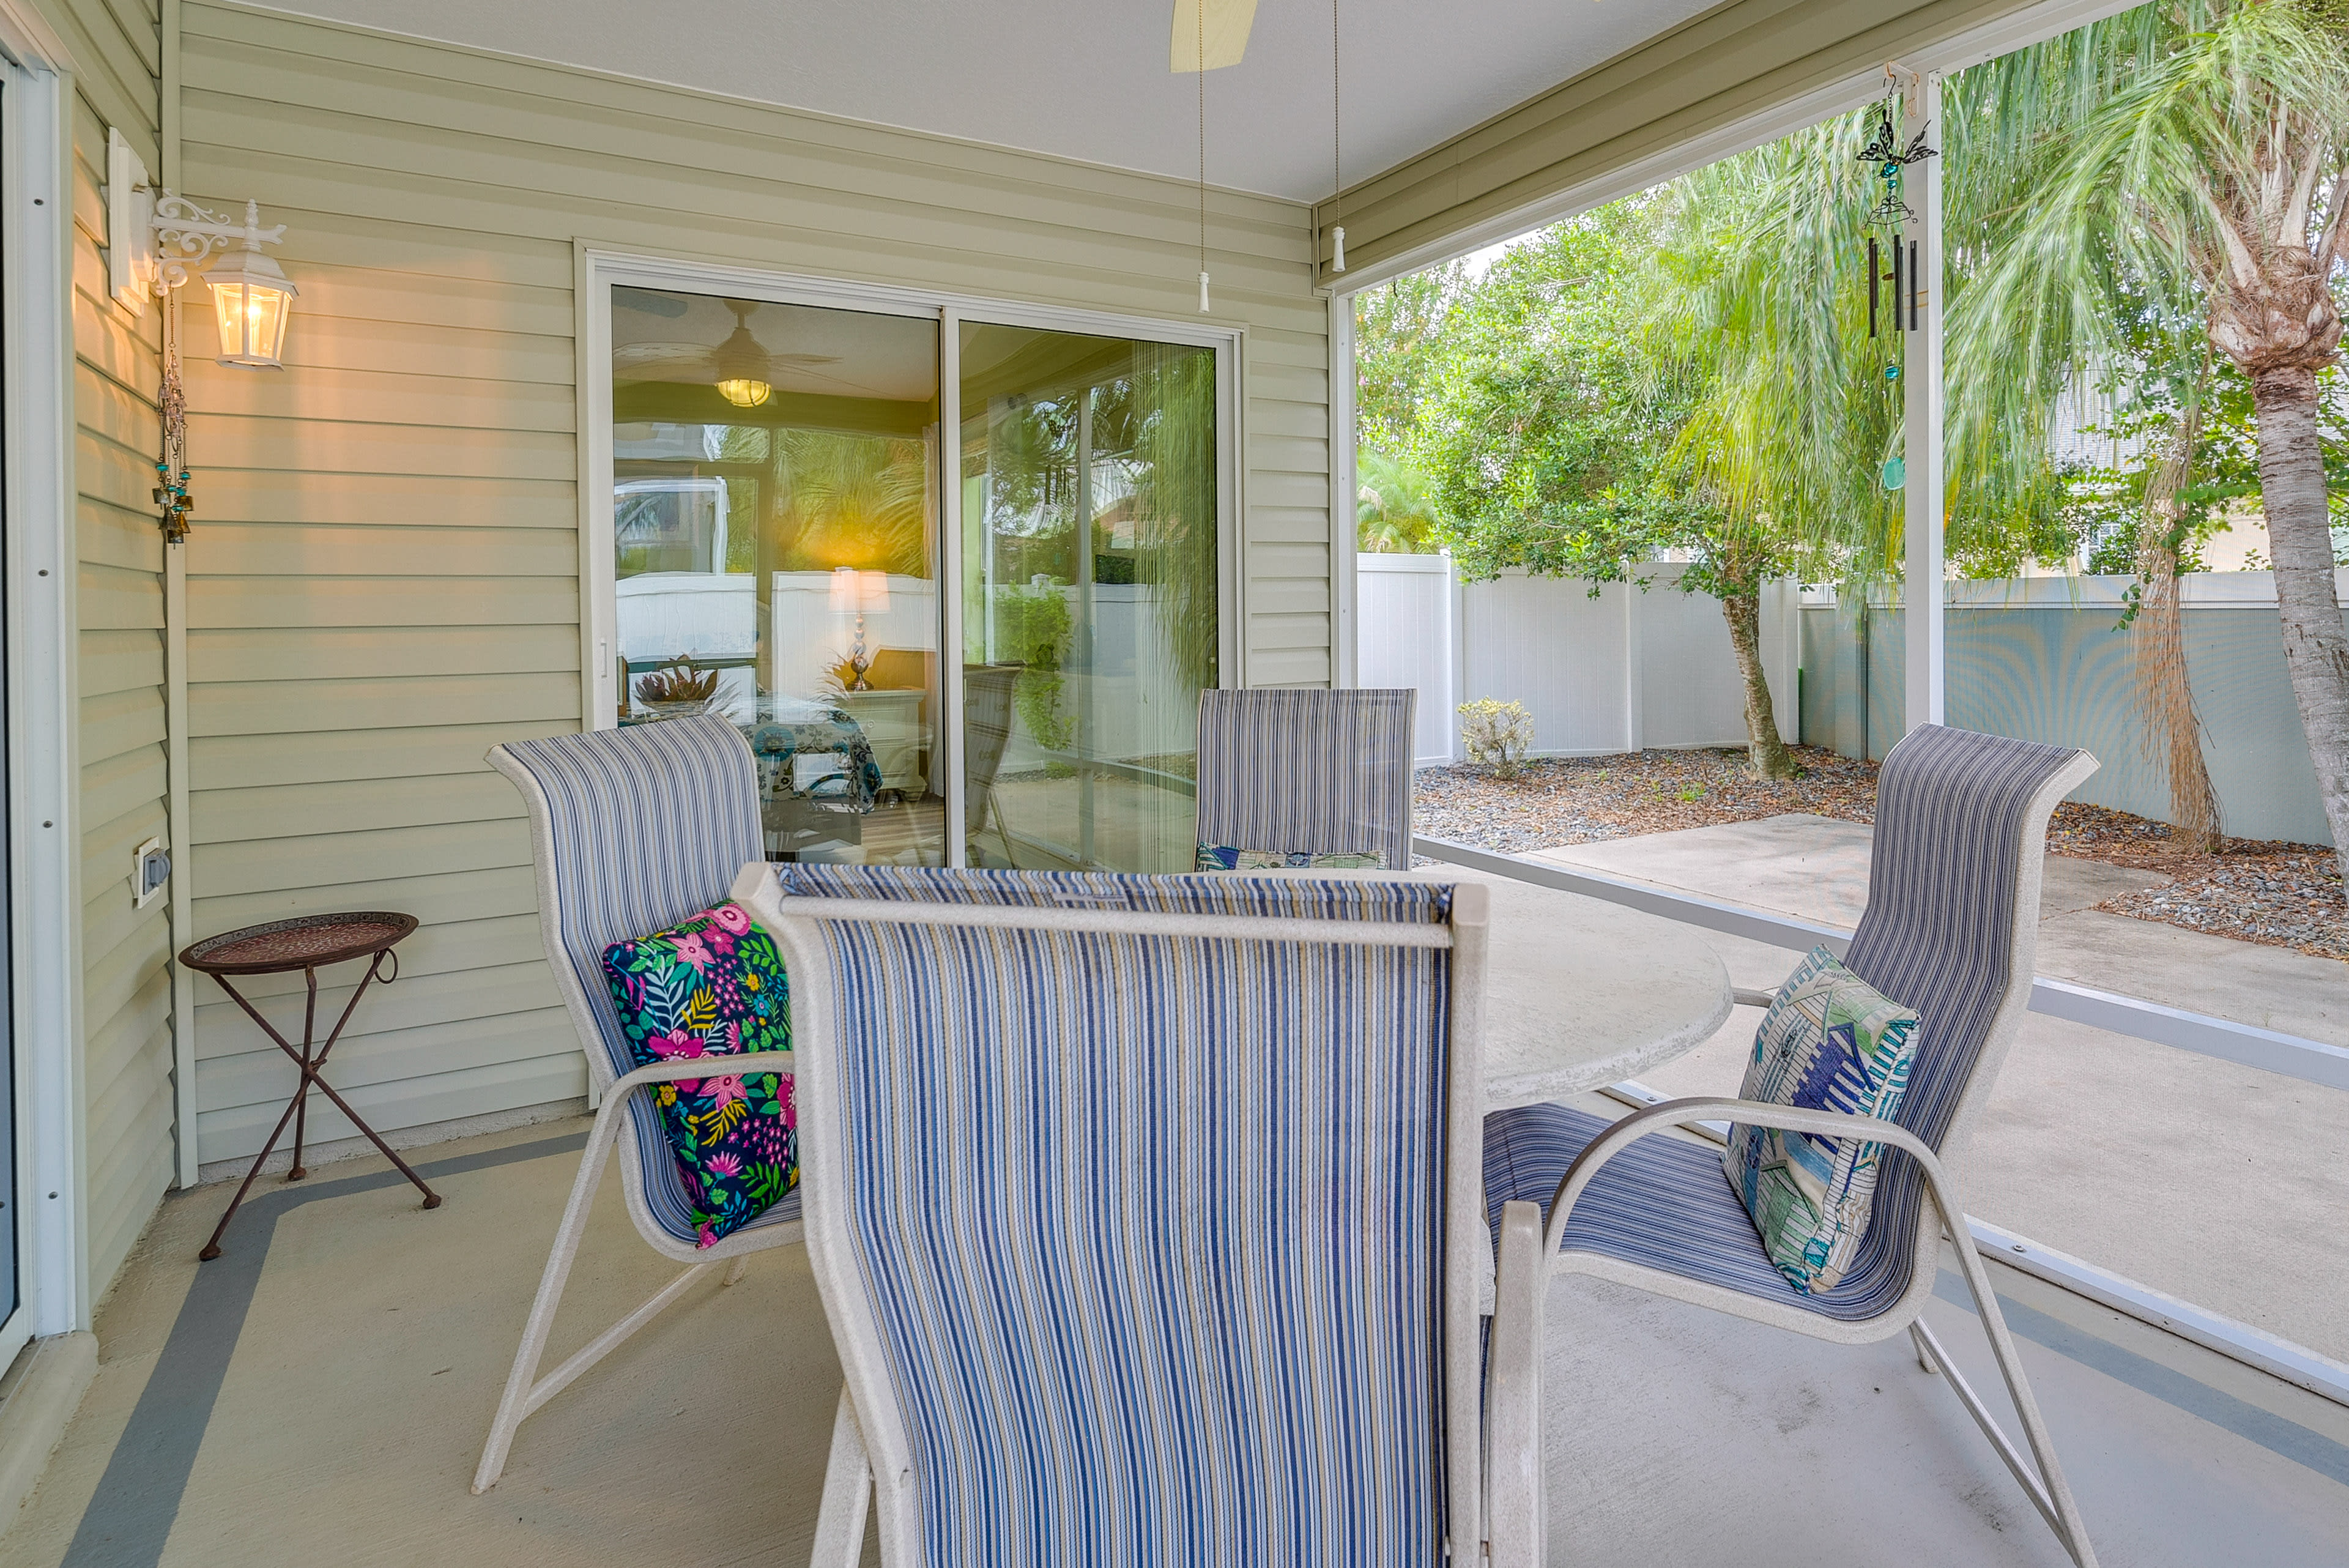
1224, 858
713, 985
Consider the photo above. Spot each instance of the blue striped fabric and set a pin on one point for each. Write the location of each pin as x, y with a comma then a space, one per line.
1151, 1226
648, 825
1952, 808
1206, 893
1312, 771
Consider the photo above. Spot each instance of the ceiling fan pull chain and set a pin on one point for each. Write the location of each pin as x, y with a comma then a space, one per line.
1337, 176
1199, 18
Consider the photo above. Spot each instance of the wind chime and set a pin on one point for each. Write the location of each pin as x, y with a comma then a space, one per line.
172, 466
1886, 158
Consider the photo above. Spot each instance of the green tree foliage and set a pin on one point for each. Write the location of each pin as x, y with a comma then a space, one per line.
1395, 509
2164, 194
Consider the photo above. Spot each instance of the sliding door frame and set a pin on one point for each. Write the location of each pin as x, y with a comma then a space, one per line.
43, 819
596, 271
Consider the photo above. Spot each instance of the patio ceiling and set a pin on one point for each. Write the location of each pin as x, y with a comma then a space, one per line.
1078, 78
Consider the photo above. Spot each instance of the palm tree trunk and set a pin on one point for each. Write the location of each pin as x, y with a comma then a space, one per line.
2173, 730
1770, 757
2300, 543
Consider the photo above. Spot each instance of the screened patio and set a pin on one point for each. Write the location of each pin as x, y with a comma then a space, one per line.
944, 411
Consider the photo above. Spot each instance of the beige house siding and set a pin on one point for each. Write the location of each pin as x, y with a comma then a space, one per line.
383, 577
1736, 62
126, 1069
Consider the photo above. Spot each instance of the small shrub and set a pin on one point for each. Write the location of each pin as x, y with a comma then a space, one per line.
1497, 734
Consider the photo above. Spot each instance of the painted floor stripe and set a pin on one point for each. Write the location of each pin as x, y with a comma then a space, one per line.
2167, 1383
130, 1515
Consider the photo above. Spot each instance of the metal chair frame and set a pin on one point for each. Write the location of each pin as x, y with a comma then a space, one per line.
1526, 1243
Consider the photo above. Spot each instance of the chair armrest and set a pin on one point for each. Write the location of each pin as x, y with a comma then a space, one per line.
1513, 1448
1755, 1112
679, 1067
1748, 996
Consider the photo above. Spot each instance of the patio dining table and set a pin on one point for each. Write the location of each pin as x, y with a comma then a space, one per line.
1579, 992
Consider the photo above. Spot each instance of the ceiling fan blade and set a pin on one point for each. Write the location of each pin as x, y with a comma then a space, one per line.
1225, 28
660, 353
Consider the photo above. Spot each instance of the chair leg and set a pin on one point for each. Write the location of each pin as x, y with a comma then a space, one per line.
2048, 1490
737, 1269
1916, 1339
847, 1494
525, 1392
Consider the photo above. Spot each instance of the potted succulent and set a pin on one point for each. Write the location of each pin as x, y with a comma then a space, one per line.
678, 689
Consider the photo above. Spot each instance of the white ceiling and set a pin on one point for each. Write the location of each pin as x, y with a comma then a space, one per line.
1083, 78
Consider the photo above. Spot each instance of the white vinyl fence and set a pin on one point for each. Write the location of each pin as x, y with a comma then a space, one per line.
1626, 669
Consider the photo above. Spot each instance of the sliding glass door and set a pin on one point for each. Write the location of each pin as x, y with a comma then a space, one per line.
783, 551
775, 539
1090, 613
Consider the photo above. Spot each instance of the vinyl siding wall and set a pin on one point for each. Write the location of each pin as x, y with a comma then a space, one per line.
383, 577
126, 953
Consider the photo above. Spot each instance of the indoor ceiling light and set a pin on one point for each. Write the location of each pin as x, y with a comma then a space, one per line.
740, 363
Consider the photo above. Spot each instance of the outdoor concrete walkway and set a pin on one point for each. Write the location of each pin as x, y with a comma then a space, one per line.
2220, 1184
318, 1396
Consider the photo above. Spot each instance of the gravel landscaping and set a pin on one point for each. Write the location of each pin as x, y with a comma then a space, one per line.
2282, 895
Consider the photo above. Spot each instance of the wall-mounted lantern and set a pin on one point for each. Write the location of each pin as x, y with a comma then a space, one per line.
252, 297
156, 241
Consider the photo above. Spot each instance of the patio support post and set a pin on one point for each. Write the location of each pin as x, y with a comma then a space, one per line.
1923, 492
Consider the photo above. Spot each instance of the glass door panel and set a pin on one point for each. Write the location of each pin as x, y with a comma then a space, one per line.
1089, 580
774, 507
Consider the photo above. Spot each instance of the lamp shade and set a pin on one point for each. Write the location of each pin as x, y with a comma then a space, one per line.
254, 301
859, 592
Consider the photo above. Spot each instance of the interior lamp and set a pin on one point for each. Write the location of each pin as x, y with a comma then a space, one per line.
859, 594
741, 363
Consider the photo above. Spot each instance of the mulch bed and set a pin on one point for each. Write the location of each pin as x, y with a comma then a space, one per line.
2281, 894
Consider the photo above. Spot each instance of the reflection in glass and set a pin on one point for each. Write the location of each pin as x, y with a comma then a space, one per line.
1090, 589
774, 513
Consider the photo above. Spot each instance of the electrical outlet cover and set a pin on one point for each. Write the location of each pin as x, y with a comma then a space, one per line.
151, 873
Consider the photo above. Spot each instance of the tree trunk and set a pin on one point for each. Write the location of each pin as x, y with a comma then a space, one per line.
2173, 730
1769, 754
2300, 543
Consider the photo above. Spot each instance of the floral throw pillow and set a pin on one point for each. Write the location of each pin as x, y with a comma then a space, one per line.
1224, 858
1830, 1042
713, 985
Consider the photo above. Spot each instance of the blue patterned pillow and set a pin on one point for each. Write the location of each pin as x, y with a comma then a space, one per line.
1224, 858
1829, 1042
713, 985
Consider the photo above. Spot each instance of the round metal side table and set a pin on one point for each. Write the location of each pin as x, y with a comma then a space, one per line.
309, 943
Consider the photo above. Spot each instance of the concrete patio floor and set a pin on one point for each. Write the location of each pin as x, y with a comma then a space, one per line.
320, 1395
2216, 1183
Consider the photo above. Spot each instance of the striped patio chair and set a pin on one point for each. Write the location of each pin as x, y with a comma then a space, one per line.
1307, 772
1146, 1215
1951, 930
632, 830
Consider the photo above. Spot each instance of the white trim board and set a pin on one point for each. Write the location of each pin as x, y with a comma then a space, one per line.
43, 739
2025, 26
